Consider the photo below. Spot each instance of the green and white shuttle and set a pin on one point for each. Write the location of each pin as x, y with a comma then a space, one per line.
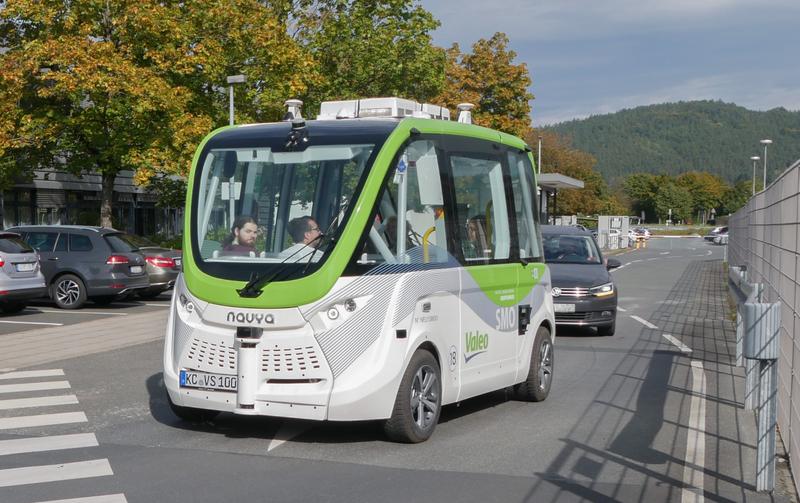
374, 264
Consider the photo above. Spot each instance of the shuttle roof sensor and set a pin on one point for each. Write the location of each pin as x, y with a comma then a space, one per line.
292, 109
464, 113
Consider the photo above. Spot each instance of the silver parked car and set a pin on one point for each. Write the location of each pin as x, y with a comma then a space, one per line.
21, 277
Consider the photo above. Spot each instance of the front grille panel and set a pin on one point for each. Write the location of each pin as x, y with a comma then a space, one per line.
286, 360
573, 316
205, 354
574, 292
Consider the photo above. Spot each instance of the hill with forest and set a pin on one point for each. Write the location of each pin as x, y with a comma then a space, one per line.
674, 138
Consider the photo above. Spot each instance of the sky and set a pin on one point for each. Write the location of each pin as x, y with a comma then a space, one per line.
591, 57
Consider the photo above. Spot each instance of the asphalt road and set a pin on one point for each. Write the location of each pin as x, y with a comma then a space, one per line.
44, 313
618, 425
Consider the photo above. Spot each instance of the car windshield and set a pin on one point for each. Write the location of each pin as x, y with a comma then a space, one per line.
259, 208
137, 241
570, 249
120, 243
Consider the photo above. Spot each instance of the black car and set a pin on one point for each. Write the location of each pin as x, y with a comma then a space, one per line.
163, 265
81, 262
584, 293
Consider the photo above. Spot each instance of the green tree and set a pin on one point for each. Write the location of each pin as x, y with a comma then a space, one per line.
707, 190
737, 196
642, 188
369, 48
488, 78
101, 86
672, 199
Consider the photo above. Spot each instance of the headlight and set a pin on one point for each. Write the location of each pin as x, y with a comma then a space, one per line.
602, 290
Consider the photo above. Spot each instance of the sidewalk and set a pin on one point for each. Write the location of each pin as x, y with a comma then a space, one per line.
44, 345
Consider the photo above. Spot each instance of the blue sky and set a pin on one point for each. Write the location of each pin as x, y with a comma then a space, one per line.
594, 57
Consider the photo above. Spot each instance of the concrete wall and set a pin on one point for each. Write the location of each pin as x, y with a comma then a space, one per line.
765, 237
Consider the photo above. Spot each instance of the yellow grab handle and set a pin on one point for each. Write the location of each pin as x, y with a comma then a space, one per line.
425, 253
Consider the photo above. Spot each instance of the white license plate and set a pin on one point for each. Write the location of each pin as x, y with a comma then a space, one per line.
26, 266
136, 269
205, 380
564, 308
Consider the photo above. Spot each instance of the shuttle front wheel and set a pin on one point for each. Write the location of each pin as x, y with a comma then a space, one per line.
419, 401
536, 386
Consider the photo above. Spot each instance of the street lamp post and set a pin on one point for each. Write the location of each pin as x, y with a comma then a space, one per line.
233, 79
755, 160
765, 143
539, 156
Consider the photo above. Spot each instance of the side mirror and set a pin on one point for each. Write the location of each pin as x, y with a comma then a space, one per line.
612, 263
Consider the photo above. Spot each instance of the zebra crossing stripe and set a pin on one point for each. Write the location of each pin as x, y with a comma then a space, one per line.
10, 423
33, 386
25, 374
53, 473
42, 401
51, 443
108, 498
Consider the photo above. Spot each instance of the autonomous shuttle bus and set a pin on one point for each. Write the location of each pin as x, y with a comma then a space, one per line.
374, 264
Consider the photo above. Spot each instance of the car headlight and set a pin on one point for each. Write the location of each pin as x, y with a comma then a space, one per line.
602, 290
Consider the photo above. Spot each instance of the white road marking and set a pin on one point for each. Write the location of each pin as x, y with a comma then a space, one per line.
32, 323
25, 374
643, 322
664, 253
52, 443
654, 258
33, 386
680, 345
80, 311
7, 370
52, 473
287, 431
107, 498
42, 401
11, 423
622, 309
709, 252
694, 461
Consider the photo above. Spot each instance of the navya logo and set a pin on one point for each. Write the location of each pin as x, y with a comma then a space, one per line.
476, 343
251, 318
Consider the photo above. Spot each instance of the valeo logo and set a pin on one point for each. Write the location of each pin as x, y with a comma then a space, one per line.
476, 343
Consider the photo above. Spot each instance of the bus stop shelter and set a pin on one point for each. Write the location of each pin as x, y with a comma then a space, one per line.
549, 185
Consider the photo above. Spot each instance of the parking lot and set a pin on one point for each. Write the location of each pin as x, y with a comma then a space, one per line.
44, 313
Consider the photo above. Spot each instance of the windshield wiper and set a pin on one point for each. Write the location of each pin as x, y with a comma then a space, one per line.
253, 288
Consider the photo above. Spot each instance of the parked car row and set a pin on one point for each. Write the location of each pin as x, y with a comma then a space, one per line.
71, 264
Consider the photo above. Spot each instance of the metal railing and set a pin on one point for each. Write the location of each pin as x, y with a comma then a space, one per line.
764, 239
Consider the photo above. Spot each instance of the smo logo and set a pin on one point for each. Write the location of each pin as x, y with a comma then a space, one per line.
476, 344
506, 319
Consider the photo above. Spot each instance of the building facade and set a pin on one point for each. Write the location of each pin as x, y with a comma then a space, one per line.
56, 197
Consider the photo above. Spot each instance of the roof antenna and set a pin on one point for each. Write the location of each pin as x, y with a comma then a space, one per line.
464, 114
292, 109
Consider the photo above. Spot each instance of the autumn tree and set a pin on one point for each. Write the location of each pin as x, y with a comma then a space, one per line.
488, 78
558, 156
705, 189
102, 86
368, 48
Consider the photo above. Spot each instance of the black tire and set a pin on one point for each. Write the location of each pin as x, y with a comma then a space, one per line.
190, 414
608, 330
536, 386
12, 307
414, 419
68, 292
104, 300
